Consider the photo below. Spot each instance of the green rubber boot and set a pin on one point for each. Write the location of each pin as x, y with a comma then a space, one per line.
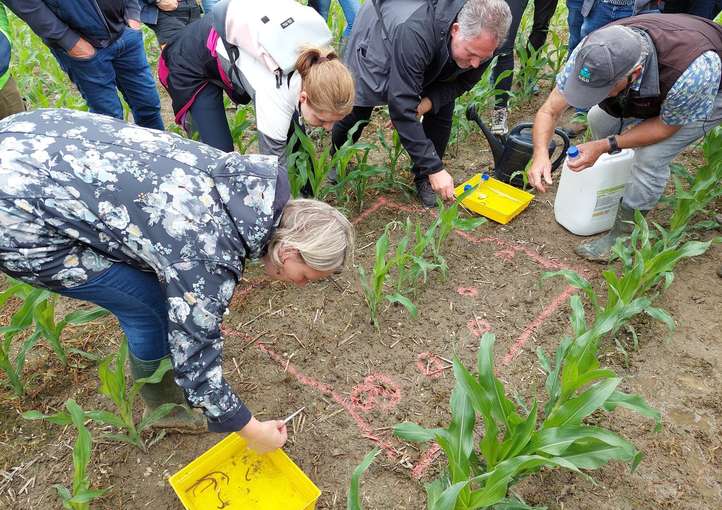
600, 250
181, 419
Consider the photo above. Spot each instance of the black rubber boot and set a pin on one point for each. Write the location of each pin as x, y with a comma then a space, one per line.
180, 419
600, 250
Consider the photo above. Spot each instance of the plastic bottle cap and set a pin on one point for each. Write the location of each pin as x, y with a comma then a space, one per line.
485, 177
467, 187
572, 152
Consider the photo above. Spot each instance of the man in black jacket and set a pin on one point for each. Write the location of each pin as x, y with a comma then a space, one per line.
100, 45
418, 56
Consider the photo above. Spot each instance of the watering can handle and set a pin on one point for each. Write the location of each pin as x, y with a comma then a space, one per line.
563, 153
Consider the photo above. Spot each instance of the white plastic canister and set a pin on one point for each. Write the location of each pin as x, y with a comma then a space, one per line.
587, 201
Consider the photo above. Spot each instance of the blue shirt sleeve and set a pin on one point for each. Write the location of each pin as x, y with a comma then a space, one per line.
566, 71
692, 96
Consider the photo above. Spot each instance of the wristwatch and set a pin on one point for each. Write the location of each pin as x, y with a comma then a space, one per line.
613, 145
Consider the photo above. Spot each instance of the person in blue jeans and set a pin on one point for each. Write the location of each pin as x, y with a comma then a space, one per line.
158, 229
598, 13
99, 44
208, 5
574, 23
349, 7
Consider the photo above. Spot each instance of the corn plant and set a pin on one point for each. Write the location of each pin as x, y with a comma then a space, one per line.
703, 188
556, 53
37, 312
531, 63
79, 496
354, 180
373, 284
394, 152
113, 386
514, 445
241, 122
353, 500
447, 220
480, 95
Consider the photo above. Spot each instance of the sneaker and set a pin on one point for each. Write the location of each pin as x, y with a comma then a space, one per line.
427, 196
498, 121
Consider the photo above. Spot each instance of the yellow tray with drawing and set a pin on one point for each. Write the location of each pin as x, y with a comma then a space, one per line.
494, 199
233, 477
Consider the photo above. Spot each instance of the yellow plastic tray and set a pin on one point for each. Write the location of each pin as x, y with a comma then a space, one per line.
494, 199
233, 477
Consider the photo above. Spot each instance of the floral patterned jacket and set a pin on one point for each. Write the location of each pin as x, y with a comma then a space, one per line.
79, 191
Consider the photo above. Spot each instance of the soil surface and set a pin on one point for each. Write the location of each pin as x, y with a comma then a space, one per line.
315, 347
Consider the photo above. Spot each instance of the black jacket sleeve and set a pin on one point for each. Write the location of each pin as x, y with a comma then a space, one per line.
442, 93
410, 57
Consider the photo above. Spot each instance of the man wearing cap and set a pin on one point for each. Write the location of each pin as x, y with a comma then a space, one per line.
657, 75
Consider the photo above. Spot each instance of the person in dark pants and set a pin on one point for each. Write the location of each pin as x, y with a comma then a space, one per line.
99, 44
543, 12
158, 230
167, 17
417, 57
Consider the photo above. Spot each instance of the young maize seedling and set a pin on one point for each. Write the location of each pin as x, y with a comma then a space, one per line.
308, 167
241, 123
513, 444
113, 386
373, 284
80, 495
353, 500
37, 311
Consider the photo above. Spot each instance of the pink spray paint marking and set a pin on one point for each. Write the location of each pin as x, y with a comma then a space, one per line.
427, 458
377, 390
323, 388
507, 251
552, 307
478, 327
467, 291
430, 365
507, 254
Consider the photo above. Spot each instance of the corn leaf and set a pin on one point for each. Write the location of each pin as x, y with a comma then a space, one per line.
634, 403
574, 410
353, 501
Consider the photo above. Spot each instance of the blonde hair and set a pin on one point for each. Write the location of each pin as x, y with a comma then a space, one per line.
322, 235
326, 80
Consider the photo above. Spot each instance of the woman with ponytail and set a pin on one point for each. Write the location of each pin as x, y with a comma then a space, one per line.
210, 57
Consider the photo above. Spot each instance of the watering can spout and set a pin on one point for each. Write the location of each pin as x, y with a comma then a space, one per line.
497, 146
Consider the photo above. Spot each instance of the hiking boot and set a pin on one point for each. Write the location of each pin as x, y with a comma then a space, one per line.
600, 250
426, 195
498, 121
182, 418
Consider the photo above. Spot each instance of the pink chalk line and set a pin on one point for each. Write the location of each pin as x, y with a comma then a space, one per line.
430, 365
377, 389
478, 327
467, 291
427, 458
325, 389
536, 323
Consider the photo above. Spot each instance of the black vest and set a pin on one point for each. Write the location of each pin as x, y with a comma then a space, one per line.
678, 39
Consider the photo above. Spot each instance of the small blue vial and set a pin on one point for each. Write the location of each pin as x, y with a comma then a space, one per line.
572, 152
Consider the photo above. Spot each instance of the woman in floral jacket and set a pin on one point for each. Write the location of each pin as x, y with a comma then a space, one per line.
156, 229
